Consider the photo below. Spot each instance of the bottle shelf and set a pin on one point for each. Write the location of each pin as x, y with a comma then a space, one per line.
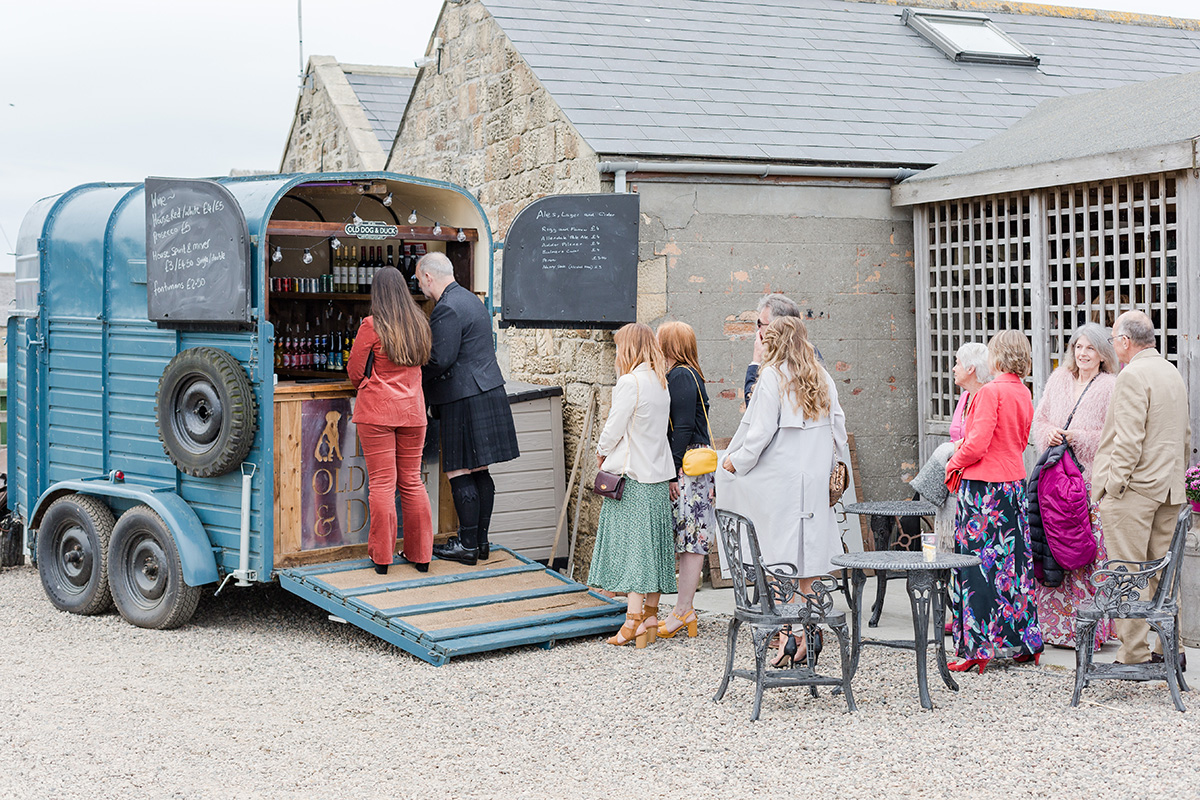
332, 374
319, 296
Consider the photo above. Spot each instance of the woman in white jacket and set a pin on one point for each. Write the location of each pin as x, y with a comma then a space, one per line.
776, 471
635, 541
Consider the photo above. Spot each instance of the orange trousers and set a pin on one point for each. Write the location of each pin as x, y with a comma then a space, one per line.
393, 457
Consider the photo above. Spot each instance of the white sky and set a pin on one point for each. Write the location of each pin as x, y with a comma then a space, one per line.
121, 89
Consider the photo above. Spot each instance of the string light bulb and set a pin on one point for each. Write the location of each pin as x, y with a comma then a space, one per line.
462, 235
277, 256
437, 229
412, 217
357, 219
336, 243
387, 201
307, 259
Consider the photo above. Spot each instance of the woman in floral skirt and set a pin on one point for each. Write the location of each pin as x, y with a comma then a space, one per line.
634, 551
692, 496
1083, 384
996, 616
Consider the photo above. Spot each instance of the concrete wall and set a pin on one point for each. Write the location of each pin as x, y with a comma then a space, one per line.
709, 250
330, 131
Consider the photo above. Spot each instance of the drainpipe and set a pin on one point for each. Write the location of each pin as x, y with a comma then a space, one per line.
621, 168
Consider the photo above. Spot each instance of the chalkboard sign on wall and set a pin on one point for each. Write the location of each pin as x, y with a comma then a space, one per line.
197, 254
571, 261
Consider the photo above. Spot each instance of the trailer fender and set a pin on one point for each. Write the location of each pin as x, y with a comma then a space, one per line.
195, 550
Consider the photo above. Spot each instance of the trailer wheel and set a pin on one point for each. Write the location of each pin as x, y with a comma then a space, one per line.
205, 412
147, 575
72, 554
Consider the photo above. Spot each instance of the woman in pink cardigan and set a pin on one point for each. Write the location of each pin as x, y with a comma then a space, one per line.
1086, 376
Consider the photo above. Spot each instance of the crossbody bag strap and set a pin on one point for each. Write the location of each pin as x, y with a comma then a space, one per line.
1071, 416
700, 395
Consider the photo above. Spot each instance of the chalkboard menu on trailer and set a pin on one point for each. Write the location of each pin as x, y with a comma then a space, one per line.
197, 254
571, 261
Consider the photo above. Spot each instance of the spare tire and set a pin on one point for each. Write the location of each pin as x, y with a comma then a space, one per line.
205, 412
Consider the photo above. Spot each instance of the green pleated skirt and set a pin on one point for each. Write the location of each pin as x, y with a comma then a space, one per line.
635, 542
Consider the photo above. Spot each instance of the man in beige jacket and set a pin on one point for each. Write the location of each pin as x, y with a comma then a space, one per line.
1137, 476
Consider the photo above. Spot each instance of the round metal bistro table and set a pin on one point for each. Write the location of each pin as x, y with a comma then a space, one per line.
883, 514
926, 582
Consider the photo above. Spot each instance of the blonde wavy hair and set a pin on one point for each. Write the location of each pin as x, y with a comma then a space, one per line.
636, 344
787, 345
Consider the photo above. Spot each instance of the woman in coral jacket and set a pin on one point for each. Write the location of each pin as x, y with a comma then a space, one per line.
390, 416
996, 616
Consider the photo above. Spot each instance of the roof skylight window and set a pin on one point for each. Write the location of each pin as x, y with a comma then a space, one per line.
968, 37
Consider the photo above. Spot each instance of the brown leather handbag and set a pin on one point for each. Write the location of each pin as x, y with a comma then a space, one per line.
608, 484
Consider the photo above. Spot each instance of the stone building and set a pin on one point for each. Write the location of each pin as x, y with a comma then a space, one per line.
763, 140
346, 116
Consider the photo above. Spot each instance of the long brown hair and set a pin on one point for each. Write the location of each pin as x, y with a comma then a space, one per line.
678, 343
787, 344
636, 345
400, 324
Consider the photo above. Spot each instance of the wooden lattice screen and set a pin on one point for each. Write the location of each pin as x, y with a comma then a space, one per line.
1043, 263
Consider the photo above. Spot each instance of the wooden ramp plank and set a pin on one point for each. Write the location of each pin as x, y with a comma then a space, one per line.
455, 609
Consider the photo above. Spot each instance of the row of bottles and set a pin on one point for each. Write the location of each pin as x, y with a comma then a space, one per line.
323, 351
354, 268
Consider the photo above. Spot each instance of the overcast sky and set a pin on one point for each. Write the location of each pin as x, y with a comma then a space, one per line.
122, 89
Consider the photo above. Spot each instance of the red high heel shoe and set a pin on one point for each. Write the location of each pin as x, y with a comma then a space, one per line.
1025, 658
967, 665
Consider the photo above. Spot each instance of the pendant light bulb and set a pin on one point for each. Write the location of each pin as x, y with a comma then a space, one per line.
462, 235
412, 217
387, 201
357, 219
277, 256
437, 229
336, 243
307, 259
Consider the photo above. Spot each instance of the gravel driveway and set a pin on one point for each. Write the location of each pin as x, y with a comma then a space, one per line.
262, 697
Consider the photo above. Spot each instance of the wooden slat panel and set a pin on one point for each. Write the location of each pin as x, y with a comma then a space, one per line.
462, 590
503, 612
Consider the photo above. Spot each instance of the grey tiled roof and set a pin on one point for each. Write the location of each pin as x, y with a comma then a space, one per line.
383, 98
1142, 115
807, 80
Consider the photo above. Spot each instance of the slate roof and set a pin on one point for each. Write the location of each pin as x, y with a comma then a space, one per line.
1141, 115
828, 81
383, 95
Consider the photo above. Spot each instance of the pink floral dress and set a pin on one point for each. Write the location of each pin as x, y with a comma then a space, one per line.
1056, 605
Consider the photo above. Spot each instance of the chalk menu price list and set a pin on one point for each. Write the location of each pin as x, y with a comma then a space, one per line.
197, 254
571, 260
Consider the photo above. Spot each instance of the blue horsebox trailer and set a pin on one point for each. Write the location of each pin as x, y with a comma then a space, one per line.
179, 414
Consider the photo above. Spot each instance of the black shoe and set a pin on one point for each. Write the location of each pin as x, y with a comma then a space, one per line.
381, 569
1156, 658
453, 550
421, 567
485, 550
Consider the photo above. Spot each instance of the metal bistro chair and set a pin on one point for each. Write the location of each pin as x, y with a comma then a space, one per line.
1117, 585
761, 592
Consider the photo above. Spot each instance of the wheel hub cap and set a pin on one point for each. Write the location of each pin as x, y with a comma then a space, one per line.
75, 558
197, 415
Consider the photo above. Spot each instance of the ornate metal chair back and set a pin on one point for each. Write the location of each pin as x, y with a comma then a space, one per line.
1119, 583
739, 543
1168, 585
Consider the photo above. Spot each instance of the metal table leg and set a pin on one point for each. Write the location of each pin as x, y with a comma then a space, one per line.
882, 528
940, 583
920, 584
857, 579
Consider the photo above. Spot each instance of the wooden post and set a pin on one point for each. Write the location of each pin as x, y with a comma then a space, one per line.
562, 515
584, 443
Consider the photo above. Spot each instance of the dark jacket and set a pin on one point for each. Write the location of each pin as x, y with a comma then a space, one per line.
462, 362
1046, 568
688, 426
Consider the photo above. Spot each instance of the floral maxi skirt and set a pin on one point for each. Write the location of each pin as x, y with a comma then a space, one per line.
995, 615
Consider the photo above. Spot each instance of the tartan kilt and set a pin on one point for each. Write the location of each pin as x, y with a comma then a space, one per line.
477, 431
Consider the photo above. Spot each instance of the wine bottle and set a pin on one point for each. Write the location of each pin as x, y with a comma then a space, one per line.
390, 262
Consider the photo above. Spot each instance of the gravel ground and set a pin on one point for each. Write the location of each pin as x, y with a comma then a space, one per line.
262, 697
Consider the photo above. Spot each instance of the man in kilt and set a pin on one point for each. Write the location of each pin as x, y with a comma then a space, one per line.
464, 390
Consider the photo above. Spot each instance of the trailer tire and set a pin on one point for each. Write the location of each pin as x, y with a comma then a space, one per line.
72, 554
205, 412
147, 575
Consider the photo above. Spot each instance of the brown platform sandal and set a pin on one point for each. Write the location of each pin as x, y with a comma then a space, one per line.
651, 612
628, 634
688, 621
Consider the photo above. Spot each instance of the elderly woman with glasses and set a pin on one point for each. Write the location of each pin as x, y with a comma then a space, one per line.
1080, 391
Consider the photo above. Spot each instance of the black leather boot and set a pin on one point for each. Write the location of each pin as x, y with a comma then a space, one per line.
456, 549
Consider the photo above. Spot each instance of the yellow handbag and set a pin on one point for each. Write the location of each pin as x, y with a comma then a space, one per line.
700, 460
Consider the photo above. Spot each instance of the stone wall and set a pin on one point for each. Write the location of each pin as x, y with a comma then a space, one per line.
486, 123
840, 250
330, 131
